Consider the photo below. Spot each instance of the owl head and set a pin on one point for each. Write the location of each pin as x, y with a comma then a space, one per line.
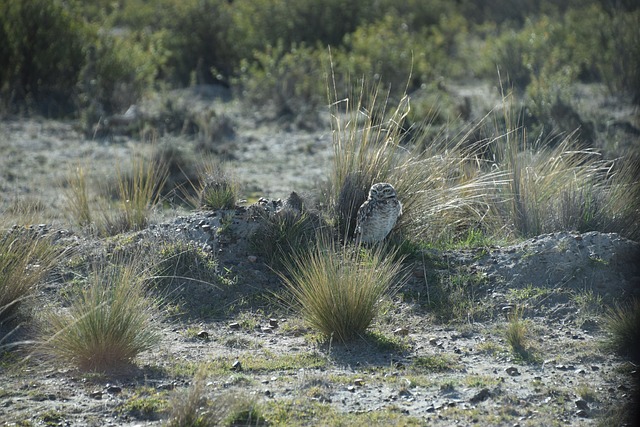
382, 191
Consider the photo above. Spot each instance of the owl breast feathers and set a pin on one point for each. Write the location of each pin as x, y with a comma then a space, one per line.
378, 214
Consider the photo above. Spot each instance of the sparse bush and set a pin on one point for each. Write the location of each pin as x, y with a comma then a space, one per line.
41, 54
292, 80
77, 195
107, 324
184, 260
563, 187
117, 70
338, 289
516, 332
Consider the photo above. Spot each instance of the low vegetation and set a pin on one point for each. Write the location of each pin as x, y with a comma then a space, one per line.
27, 257
466, 179
338, 289
107, 324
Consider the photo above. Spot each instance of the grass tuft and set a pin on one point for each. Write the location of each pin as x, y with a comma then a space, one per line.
623, 323
338, 290
107, 324
218, 190
192, 407
26, 258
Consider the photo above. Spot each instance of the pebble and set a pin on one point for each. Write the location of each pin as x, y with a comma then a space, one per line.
113, 389
582, 404
237, 366
512, 370
403, 332
203, 335
481, 396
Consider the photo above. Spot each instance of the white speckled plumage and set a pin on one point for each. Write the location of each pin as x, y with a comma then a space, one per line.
378, 214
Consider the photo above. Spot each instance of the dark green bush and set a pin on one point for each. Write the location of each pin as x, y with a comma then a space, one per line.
205, 44
118, 69
293, 82
41, 53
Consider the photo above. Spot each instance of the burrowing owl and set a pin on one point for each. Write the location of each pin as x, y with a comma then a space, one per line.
378, 214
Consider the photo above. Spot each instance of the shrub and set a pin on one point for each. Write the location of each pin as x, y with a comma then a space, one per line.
203, 46
290, 80
386, 52
41, 53
117, 71
338, 289
107, 324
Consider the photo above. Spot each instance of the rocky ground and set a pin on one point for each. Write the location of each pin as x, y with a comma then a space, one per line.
414, 369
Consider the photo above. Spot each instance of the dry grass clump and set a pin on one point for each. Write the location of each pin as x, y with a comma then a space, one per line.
442, 185
338, 289
107, 324
562, 186
218, 189
516, 332
503, 186
26, 257
136, 191
193, 408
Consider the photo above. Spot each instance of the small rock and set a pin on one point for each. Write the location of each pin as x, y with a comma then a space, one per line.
359, 382
481, 396
273, 323
582, 404
166, 386
351, 388
266, 329
234, 325
113, 389
252, 258
96, 395
512, 370
403, 332
206, 227
204, 335
237, 366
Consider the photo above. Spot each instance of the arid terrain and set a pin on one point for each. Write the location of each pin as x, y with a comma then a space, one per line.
414, 369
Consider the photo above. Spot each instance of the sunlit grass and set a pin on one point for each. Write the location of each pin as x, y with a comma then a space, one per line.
338, 290
107, 324
26, 258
